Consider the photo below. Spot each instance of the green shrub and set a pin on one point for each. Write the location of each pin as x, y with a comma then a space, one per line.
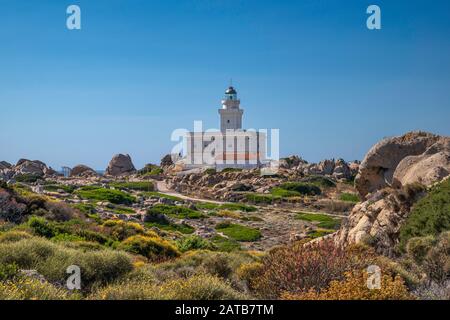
138, 186
85, 208
349, 197
320, 181
154, 248
175, 211
210, 171
8, 271
302, 188
323, 221
283, 193
13, 236
258, 198
418, 247
194, 242
103, 194
225, 244
238, 232
429, 216
27, 178
167, 226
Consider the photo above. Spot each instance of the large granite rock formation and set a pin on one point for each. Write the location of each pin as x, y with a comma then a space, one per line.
392, 177
35, 167
120, 164
82, 171
414, 157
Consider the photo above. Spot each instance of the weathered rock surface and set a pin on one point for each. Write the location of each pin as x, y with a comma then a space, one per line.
34, 167
338, 169
378, 219
120, 164
414, 157
291, 162
5, 165
82, 171
166, 161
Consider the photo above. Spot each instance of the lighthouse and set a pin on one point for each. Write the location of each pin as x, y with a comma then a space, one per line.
231, 147
230, 113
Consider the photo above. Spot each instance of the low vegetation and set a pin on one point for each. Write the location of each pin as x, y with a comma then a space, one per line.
429, 216
349, 197
178, 212
238, 232
135, 185
103, 194
321, 220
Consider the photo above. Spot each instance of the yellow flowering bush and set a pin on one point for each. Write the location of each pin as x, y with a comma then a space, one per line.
22, 288
354, 287
154, 248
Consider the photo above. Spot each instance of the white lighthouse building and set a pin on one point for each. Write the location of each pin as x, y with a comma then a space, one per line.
230, 114
232, 146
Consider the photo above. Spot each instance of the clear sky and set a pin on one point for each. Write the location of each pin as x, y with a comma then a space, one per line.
139, 69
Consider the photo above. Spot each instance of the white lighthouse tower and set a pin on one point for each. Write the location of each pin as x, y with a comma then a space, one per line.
230, 114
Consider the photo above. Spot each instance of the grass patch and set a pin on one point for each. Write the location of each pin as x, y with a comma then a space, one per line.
161, 195
238, 232
175, 212
103, 194
225, 244
85, 208
137, 186
319, 233
349, 197
321, 220
279, 192
182, 228
259, 198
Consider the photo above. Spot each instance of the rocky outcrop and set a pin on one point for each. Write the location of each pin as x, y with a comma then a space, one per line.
34, 167
166, 161
82, 171
338, 169
341, 170
291, 162
120, 164
5, 165
378, 219
392, 177
414, 157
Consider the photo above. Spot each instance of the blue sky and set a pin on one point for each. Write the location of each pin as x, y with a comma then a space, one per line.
139, 69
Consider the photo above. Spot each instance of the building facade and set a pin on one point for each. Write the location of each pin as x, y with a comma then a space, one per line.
232, 146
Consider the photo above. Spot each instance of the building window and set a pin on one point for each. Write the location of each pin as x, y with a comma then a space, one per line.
228, 121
